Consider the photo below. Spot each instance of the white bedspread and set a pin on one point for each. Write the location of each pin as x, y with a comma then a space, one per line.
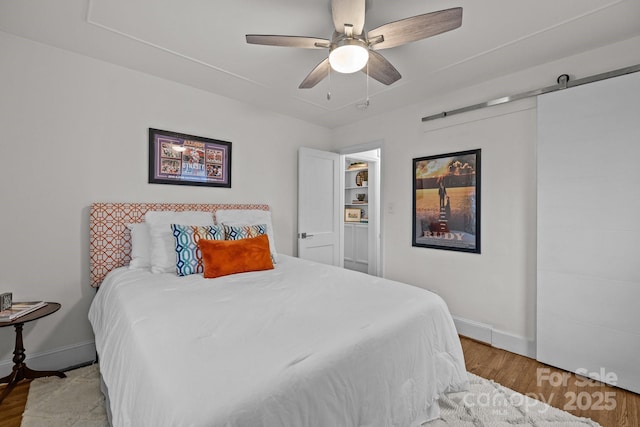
302, 345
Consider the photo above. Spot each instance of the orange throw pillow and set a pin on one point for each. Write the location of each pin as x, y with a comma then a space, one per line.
224, 257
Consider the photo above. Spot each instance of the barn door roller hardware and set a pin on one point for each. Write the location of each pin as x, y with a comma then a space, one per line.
563, 83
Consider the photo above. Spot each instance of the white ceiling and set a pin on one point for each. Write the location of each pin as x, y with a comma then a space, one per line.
201, 43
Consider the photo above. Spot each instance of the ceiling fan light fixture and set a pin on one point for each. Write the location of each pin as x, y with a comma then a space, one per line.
349, 55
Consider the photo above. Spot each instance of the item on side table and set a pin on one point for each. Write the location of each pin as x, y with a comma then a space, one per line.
5, 301
20, 309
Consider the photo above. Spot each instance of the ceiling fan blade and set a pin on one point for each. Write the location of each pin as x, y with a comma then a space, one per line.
415, 28
288, 41
316, 75
381, 69
348, 12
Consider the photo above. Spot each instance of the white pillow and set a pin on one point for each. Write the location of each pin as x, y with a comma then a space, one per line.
140, 245
163, 248
249, 217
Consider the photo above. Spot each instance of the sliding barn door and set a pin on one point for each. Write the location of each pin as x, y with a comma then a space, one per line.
588, 320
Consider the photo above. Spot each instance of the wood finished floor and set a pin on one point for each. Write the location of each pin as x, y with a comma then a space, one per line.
577, 395
12, 406
519, 373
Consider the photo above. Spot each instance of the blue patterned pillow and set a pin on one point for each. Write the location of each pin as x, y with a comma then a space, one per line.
188, 255
237, 232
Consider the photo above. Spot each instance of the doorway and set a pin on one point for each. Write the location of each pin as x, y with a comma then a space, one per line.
328, 190
361, 198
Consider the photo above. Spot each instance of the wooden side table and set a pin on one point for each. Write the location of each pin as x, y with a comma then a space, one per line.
20, 370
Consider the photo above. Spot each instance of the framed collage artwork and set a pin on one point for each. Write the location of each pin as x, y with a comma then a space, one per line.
177, 158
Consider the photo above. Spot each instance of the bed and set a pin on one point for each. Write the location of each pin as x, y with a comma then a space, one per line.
300, 344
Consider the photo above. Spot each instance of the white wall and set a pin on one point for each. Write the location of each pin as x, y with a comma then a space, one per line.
74, 131
491, 295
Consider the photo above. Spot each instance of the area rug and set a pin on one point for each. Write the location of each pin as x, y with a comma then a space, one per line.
76, 401
489, 404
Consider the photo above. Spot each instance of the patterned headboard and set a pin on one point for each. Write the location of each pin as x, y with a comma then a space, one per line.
109, 237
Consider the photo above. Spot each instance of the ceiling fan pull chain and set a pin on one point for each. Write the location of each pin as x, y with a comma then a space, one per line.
367, 83
366, 102
329, 90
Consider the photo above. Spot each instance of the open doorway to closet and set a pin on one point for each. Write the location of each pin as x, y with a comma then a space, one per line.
361, 197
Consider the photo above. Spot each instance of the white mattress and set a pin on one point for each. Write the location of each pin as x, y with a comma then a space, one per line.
304, 344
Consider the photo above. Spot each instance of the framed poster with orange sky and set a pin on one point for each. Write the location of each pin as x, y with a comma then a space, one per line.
446, 201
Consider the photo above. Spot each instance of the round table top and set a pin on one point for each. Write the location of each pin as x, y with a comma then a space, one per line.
48, 309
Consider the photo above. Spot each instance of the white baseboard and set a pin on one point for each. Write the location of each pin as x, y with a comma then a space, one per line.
496, 338
57, 359
478, 331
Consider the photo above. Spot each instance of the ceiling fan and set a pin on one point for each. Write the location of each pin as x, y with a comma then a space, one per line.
351, 50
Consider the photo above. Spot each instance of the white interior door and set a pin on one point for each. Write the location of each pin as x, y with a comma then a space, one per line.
319, 206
